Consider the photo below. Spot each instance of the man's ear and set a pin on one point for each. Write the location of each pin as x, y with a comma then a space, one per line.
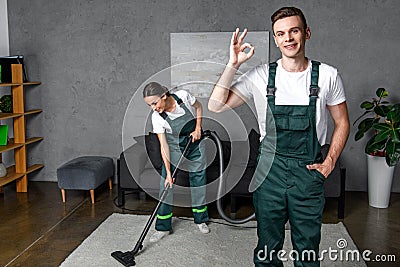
275, 42
308, 33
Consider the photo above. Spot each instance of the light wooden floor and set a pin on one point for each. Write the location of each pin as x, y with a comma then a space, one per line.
36, 229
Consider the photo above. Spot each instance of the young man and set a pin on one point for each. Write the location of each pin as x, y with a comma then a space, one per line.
292, 98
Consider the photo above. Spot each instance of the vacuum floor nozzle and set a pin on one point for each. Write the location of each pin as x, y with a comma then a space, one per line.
125, 258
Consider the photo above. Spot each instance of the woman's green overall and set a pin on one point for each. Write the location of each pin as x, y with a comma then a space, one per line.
195, 163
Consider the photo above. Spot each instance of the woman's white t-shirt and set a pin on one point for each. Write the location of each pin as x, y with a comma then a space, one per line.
293, 88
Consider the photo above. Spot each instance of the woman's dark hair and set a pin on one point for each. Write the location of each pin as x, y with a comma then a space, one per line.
155, 88
285, 12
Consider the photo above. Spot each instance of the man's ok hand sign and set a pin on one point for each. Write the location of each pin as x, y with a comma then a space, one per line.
237, 56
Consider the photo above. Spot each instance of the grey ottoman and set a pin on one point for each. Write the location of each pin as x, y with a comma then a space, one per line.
85, 173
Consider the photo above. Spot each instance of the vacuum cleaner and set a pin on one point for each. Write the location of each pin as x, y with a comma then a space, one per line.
128, 258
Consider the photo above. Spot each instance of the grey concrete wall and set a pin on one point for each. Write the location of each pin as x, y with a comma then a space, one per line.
92, 55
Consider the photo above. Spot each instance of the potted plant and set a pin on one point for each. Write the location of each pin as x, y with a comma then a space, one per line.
6, 104
383, 146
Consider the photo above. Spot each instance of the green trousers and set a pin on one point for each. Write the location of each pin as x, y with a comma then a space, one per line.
197, 179
290, 191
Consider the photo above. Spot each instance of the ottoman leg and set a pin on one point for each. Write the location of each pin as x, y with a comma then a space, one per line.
92, 195
63, 195
110, 183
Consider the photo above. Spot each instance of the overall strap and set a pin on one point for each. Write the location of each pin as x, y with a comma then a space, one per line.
271, 79
271, 86
314, 88
177, 99
270, 94
164, 115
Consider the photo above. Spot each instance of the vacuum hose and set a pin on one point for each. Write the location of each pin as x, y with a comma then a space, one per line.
214, 137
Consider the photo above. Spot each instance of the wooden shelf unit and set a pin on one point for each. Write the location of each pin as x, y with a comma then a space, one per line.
4, 116
20, 170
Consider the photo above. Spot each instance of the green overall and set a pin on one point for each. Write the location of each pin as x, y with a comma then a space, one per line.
195, 163
289, 190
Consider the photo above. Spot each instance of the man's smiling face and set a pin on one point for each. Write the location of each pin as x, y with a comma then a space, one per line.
290, 36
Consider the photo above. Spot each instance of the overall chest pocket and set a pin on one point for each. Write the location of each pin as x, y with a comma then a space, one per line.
293, 133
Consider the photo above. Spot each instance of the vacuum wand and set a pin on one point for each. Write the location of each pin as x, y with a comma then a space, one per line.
128, 258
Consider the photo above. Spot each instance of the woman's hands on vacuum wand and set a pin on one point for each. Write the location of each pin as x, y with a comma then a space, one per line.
169, 180
196, 134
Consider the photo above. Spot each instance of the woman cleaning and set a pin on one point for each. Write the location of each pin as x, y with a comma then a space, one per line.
176, 118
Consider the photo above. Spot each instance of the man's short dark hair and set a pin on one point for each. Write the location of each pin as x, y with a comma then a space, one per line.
285, 12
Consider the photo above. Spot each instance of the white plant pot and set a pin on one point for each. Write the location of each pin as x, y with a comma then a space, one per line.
380, 177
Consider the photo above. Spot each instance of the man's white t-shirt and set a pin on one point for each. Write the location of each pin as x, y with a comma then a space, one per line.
293, 88
162, 126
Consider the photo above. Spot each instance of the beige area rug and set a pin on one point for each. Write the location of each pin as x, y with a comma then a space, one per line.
223, 246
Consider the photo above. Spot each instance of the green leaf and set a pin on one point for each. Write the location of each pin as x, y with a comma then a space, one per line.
387, 108
379, 110
382, 127
382, 110
392, 153
394, 115
366, 124
365, 113
395, 135
382, 93
373, 146
359, 135
382, 136
367, 105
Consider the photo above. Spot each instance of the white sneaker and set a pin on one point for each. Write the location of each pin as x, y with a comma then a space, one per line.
203, 228
158, 235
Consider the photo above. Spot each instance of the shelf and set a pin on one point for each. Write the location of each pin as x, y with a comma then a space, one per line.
12, 175
11, 145
18, 143
31, 83
33, 140
16, 84
33, 111
4, 116
34, 167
